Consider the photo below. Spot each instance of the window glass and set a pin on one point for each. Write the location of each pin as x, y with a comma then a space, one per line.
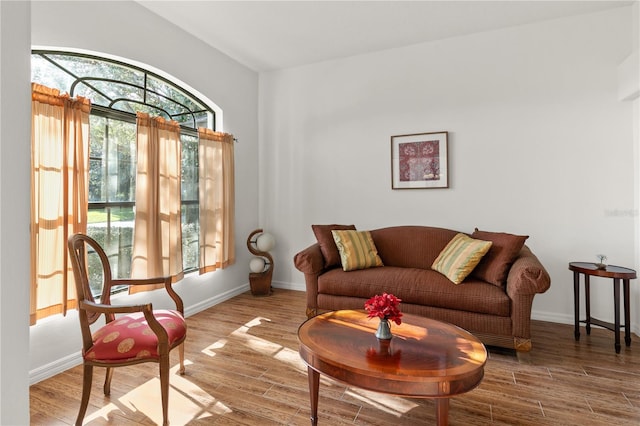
117, 91
190, 207
47, 74
112, 156
90, 93
111, 91
86, 66
119, 86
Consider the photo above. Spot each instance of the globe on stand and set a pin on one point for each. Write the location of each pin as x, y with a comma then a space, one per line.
261, 266
265, 242
257, 264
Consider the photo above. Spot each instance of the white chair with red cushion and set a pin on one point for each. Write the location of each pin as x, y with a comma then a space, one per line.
137, 334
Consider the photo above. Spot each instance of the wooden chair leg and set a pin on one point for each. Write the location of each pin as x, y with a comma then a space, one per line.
107, 381
164, 388
181, 354
87, 378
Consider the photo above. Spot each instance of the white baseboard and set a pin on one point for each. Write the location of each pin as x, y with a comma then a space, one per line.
56, 367
569, 319
552, 317
212, 301
288, 286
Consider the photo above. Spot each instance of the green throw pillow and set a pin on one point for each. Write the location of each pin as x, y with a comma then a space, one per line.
357, 250
460, 256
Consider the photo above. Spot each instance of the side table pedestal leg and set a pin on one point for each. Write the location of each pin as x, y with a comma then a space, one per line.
616, 312
627, 313
587, 303
576, 304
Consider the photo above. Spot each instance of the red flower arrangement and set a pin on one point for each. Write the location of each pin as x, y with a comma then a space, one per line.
384, 306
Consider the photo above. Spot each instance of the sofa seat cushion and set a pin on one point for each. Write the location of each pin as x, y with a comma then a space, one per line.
417, 286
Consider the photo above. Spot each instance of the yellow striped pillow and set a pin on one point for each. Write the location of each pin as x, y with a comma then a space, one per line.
460, 256
357, 250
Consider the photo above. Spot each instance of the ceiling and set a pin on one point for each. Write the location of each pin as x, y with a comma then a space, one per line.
269, 35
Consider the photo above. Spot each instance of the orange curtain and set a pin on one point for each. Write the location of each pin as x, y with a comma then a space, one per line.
217, 200
157, 242
59, 195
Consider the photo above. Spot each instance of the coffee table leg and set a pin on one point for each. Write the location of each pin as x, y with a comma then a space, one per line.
442, 411
314, 387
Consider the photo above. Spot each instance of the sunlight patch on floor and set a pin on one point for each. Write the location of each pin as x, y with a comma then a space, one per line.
187, 402
387, 403
292, 358
260, 345
267, 347
211, 350
256, 343
102, 413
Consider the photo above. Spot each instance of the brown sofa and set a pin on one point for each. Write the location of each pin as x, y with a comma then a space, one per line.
497, 312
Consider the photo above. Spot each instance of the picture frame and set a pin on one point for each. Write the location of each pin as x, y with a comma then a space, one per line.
420, 160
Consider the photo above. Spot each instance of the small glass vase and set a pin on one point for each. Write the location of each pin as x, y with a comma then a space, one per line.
384, 330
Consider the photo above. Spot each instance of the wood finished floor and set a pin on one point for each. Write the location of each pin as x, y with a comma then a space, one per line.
243, 369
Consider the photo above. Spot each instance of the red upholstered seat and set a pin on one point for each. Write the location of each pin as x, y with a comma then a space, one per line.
130, 337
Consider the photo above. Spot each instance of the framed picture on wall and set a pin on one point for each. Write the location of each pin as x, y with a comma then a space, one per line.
419, 161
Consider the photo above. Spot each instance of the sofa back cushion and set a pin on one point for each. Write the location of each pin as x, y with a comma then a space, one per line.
495, 265
327, 244
411, 246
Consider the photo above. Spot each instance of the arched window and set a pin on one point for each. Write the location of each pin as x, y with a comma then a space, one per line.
118, 90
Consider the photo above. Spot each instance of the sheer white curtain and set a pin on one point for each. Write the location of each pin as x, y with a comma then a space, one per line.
59, 195
157, 246
217, 200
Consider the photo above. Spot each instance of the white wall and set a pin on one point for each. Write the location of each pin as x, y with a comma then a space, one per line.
128, 30
539, 144
15, 125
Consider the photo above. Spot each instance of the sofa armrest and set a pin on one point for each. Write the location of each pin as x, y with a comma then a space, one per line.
526, 278
527, 275
311, 262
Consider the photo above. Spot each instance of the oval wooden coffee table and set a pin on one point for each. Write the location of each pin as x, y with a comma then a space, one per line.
425, 359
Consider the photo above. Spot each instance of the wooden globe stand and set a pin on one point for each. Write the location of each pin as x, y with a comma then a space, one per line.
260, 282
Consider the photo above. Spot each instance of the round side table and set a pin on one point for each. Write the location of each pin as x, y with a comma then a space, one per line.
617, 273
